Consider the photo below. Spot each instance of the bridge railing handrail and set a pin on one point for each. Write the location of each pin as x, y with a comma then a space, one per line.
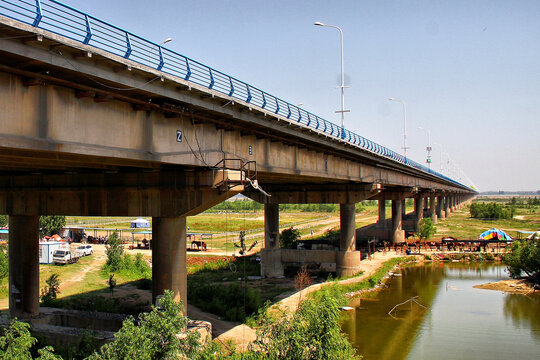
64, 20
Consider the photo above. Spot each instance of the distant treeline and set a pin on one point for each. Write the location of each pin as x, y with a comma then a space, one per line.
249, 205
491, 211
524, 203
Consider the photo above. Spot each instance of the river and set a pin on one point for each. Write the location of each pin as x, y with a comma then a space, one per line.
458, 321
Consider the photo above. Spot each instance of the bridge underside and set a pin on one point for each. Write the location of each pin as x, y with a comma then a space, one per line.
84, 132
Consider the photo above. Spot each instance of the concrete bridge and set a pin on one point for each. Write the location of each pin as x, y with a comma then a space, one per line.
96, 121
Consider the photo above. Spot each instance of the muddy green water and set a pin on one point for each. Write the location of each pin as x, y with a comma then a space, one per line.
460, 322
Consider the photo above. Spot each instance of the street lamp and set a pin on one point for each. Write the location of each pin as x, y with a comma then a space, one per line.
165, 41
428, 148
342, 86
404, 125
440, 155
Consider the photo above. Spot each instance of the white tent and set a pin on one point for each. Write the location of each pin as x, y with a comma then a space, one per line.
140, 223
534, 236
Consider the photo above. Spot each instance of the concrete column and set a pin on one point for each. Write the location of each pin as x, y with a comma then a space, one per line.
271, 265
271, 226
446, 201
169, 270
440, 206
418, 211
347, 223
403, 208
23, 265
382, 213
432, 209
397, 220
347, 259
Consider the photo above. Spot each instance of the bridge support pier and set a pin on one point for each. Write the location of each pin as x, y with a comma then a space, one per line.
169, 270
271, 265
23, 265
418, 211
433, 209
382, 214
440, 206
348, 259
398, 234
446, 208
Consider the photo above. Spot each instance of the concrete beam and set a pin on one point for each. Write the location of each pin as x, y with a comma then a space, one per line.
313, 193
134, 194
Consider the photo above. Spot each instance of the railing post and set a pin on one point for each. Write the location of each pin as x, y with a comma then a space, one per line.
128, 46
211, 79
249, 94
39, 14
161, 62
188, 70
88, 30
232, 87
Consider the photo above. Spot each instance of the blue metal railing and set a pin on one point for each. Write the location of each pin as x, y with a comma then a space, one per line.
64, 20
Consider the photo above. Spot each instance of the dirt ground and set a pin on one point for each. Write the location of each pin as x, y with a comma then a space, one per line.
514, 286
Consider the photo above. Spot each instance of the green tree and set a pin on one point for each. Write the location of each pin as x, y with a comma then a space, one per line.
524, 257
51, 224
49, 292
426, 229
4, 220
155, 336
289, 237
114, 251
4, 262
16, 343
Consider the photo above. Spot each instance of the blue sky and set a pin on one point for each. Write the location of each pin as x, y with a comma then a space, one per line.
469, 71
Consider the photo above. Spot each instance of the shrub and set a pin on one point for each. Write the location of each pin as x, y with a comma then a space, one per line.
289, 237
231, 302
524, 257
312, 332
49, 292
155, 336
426, 229
4, 263
16, 343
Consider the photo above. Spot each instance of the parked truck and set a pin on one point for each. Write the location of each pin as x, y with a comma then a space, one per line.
66, 256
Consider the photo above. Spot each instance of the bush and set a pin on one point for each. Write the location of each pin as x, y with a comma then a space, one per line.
16, 343
288, 238
524, 257
426, 229
4, 262
155, 336
312, 332
491, 211
231, 302
49, 292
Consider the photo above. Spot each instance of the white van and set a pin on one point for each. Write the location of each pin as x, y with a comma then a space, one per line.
85, 250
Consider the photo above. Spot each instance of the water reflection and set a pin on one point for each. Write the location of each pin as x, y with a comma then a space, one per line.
460, 322
524, 312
